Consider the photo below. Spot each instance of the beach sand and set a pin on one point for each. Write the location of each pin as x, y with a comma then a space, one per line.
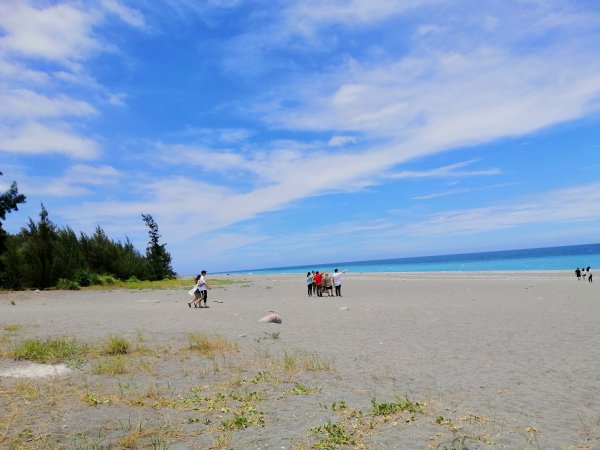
489, 360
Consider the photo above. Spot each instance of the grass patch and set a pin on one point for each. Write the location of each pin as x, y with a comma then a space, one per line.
11, 328
113, 365
314, 362
210, 344
59, 350
387, 409
116, 345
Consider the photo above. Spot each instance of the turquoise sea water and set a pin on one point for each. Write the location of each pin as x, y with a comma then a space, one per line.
549, 258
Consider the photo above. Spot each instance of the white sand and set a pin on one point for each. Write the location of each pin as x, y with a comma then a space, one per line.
521, 351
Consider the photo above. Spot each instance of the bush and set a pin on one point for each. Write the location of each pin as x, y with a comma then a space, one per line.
67, 285
107, 279
86, 278
133, 279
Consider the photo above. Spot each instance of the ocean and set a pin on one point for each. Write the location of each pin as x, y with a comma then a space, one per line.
549, 258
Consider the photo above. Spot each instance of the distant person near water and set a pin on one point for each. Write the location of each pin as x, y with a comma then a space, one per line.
309, 283
337, 281
578, 273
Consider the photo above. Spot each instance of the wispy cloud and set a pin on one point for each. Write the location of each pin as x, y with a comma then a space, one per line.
450, 170
579, 203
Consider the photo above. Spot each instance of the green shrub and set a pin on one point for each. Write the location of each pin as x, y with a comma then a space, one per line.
107, 279
86, 277
67, 285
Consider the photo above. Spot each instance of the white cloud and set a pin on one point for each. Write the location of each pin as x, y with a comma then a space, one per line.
128, 15
24, 103
116, 99
307, 15
59, 32
338, 141
445, 171
36, 138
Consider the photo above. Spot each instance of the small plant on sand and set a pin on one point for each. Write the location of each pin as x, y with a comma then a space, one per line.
114, 365
314, 362
26, 389
289, 362
334, 435
11, 328
300, 389
92, 399
116, 345
209, 345
49, 351
386, 409
441, 420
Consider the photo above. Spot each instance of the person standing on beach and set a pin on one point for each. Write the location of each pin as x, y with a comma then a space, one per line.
309, 283
337, 281
195, 293
203, 289
589, 274
318, 278
578, 274
327, 284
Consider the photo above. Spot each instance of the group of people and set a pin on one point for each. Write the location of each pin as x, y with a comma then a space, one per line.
319, 283
199, 292
584, 273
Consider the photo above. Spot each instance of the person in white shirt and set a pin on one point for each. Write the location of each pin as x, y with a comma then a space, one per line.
203, 286
337, 281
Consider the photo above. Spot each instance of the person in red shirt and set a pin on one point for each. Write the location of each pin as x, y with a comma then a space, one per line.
318, 278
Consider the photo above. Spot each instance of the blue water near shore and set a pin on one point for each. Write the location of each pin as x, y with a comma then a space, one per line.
549, 258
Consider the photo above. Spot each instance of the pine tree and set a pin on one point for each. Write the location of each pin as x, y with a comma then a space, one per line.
8, 202
158, 258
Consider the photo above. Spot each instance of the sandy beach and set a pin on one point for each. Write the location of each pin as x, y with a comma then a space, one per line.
401, 361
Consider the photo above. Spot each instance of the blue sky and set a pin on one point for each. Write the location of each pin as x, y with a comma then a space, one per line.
276, 133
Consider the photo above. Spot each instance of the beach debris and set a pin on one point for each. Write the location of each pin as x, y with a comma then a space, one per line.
271, 318
344, 308
241, 335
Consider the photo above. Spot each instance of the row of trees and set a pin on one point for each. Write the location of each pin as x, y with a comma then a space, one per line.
43, 254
